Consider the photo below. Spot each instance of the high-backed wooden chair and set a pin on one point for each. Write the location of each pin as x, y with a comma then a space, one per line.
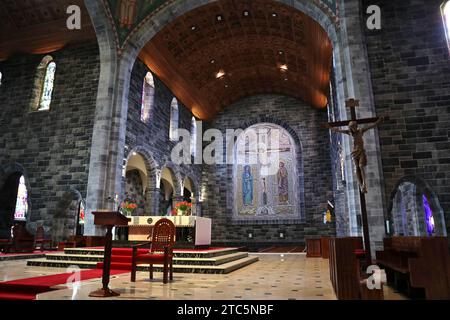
40, 240
22, 240
161, 250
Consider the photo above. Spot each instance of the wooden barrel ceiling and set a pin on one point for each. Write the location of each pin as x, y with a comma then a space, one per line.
39, 26
230, 49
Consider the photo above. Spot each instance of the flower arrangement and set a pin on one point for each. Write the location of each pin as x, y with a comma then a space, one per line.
128, 207
184, 207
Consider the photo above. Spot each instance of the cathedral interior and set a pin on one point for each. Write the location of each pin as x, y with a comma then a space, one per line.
286, 139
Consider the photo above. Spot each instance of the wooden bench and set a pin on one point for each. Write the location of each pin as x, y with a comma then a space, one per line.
422, 262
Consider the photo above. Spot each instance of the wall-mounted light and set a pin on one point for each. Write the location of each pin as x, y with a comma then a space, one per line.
283, 67
220, 74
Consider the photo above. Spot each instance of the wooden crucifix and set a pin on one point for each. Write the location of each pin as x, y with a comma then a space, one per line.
359, 159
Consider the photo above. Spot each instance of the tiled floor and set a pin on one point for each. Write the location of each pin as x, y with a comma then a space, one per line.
275, 276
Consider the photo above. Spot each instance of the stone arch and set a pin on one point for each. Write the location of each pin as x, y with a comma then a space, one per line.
350, 78
151, 189
176, 177
8, 173
151, 164
406, 211
64, 223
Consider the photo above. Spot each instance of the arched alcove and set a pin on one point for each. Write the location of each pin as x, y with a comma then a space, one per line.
136, 182
15, 205
266, 177
415, 210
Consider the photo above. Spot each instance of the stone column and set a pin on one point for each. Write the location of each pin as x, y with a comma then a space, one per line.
108, 138
152, 202
359, 86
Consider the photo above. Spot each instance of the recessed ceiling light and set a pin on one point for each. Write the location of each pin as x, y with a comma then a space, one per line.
212, 61
285, 79
220, 74
280, 52
219, 17
284, 67
193, 28
274, 14
246, 13
226, 86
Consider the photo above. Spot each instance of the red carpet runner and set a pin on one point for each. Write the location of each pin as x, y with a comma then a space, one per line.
27, 289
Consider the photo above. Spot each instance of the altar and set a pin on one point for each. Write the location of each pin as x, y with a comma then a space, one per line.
192, 230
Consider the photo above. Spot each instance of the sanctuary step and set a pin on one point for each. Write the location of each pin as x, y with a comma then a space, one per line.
214, 260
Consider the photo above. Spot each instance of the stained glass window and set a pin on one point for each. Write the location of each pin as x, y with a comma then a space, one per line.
47, 89
429, 219
173, 133
445, 9
148, 97
22, 201
81, 213
193, 136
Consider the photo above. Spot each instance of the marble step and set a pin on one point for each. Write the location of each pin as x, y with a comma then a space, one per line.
178, 252
218, 260
207, 269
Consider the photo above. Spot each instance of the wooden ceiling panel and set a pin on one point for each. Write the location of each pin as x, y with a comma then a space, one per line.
252, 41
39, 26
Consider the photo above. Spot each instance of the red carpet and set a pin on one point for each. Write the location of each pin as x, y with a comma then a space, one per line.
27, 289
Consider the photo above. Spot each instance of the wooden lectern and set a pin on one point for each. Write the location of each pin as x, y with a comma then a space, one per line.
109, 219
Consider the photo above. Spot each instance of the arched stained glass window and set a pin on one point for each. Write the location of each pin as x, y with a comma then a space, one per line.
148, 97
445, 9
193, 136
22, 201
47, 86
174, 116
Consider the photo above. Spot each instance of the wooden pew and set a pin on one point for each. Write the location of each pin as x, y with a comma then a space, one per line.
344, 267
313, 248
424, 262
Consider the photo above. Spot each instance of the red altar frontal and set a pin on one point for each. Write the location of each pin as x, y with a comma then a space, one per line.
192, 229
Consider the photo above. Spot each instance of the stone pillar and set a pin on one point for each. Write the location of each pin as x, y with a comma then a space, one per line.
152, 202
359, 86
108, 137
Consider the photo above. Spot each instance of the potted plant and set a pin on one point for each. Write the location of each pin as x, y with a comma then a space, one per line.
183, 208
128, 207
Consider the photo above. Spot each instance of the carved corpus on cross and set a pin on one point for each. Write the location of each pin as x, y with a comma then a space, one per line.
359, 158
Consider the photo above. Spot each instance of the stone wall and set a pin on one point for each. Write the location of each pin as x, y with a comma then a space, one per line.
299, 119
52, 146
409, 62
153, 136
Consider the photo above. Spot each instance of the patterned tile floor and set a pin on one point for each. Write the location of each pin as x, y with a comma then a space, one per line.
274, 277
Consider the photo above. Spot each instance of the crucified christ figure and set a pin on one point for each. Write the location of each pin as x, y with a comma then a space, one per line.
358, 153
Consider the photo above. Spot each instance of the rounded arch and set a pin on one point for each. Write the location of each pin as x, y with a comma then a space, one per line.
151, 165
10, 176
66, 219
191, 184
414, 209
175, 175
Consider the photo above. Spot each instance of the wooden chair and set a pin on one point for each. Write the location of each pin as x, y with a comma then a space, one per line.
41, 240
161, 250
22, 240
